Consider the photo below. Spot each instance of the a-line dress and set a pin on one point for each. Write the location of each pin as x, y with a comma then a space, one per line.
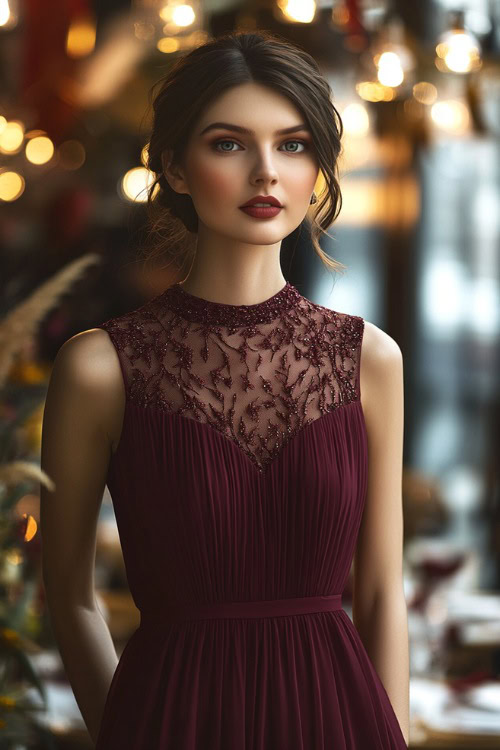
238, 486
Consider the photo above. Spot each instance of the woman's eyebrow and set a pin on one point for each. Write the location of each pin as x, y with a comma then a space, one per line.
246, 131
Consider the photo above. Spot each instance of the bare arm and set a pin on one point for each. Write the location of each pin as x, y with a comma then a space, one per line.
379, 606
83, 402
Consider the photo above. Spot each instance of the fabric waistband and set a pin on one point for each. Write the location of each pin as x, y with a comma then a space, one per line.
178, 611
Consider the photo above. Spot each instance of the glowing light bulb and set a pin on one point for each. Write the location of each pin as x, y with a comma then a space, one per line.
39, 150
135, 183
183, 15
301, 11
390, 71
11, 137
11, 186
458, 50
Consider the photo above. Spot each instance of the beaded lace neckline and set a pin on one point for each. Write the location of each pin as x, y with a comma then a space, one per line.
199, 310
257, 374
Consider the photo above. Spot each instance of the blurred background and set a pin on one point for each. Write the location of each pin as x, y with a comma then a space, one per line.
418, 87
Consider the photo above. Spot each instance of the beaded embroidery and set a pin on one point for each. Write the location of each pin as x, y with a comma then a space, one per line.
256, 373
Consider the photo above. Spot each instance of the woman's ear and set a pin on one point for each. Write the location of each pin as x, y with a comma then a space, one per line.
173, 177
165, 161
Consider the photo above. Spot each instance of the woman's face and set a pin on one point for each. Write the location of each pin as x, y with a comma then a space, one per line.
223, 169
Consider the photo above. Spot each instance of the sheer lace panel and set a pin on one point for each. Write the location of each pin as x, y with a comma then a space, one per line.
256, 373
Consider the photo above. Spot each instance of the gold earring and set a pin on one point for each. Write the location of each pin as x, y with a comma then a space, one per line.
313, 198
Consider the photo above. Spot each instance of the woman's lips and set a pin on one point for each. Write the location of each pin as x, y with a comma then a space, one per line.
262, 212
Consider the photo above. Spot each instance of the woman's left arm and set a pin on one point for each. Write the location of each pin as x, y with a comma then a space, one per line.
379, 606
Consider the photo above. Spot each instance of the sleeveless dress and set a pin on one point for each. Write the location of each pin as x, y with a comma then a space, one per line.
238, 485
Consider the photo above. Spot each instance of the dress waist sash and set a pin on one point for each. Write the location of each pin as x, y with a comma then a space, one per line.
178, 611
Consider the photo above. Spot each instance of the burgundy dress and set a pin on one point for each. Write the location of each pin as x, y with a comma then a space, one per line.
238, 486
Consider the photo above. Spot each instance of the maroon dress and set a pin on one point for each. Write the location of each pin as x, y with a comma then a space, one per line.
238, 486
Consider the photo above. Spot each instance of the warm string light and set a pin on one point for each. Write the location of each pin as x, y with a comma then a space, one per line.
457, 51
173, 26
39, 151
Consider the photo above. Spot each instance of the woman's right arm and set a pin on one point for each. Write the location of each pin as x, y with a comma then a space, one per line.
83, 409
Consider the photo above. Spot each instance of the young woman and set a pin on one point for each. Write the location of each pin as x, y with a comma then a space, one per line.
252, 444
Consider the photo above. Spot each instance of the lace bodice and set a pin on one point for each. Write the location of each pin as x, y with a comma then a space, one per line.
256, 373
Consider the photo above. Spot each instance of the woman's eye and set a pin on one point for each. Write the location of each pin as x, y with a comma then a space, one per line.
229, 140
301, 143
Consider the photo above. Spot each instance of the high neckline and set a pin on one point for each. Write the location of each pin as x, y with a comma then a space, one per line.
199, 310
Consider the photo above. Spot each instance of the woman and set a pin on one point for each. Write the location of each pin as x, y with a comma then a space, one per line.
252, 444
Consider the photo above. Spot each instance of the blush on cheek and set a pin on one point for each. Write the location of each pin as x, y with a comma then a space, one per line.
210, 182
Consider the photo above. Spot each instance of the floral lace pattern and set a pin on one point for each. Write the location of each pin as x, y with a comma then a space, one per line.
256, 373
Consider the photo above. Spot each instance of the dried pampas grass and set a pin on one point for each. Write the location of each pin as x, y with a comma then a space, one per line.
21, 324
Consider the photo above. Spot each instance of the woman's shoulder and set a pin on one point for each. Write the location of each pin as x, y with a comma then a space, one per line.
381, 366
87, 368
88, 355
378, 348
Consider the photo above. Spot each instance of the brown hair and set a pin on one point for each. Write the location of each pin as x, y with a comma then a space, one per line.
201, 76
